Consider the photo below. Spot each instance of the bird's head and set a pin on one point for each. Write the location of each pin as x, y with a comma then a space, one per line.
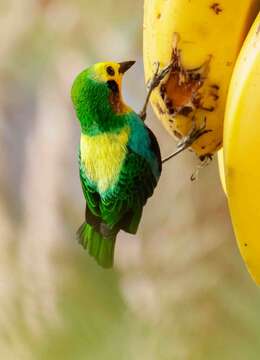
96, 93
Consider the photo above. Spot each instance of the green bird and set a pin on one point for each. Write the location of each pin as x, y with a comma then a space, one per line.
119, 159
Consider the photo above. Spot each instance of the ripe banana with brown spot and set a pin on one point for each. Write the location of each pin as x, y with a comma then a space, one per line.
202, 40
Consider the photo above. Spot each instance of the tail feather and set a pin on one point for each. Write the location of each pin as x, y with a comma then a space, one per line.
135, 220
98, 246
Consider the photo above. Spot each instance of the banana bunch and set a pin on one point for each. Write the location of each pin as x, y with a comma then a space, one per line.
202, 40
240, 168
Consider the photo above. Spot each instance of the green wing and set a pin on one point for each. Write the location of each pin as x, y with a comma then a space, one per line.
135, 185
120, 208
91, 195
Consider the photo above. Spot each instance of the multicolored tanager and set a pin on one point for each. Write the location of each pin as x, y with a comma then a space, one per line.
119, 159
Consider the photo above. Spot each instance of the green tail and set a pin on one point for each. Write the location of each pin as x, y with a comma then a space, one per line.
98, 246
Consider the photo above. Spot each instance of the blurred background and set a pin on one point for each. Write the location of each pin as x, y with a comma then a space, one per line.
179, 289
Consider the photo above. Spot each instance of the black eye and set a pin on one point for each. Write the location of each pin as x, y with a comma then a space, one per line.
113, 86
110, 71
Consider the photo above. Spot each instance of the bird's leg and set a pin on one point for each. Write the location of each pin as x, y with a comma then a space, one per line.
194, 134
158, 76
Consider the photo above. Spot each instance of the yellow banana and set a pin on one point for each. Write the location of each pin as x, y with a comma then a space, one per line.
202, 38
222, 170
242, 150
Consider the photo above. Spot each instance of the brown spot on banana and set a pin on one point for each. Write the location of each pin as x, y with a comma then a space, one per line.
216, 8
161, 111
177, 134
182, 93
180, 90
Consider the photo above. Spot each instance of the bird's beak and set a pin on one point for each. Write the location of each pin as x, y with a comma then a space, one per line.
124, 66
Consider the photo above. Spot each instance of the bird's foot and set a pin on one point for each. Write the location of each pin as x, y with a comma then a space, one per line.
155, 81
159, 75
194, 134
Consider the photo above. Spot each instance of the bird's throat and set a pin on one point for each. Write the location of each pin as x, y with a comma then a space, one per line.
118, 106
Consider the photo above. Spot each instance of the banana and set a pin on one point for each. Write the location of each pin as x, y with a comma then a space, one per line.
222, 170
201, 38
242, 150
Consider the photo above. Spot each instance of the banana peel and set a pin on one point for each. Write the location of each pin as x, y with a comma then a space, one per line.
242, 151
202, 39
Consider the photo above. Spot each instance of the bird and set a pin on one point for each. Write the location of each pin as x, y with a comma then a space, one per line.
119, 159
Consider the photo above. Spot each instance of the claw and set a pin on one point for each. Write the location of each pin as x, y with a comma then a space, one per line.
193, 135
158, 76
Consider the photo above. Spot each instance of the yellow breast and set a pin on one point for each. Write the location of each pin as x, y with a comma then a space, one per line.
102, 156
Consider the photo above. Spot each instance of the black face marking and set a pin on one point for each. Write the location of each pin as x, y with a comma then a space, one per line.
110, 71
113, 86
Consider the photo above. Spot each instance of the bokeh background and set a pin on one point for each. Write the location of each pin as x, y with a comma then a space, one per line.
179, 290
